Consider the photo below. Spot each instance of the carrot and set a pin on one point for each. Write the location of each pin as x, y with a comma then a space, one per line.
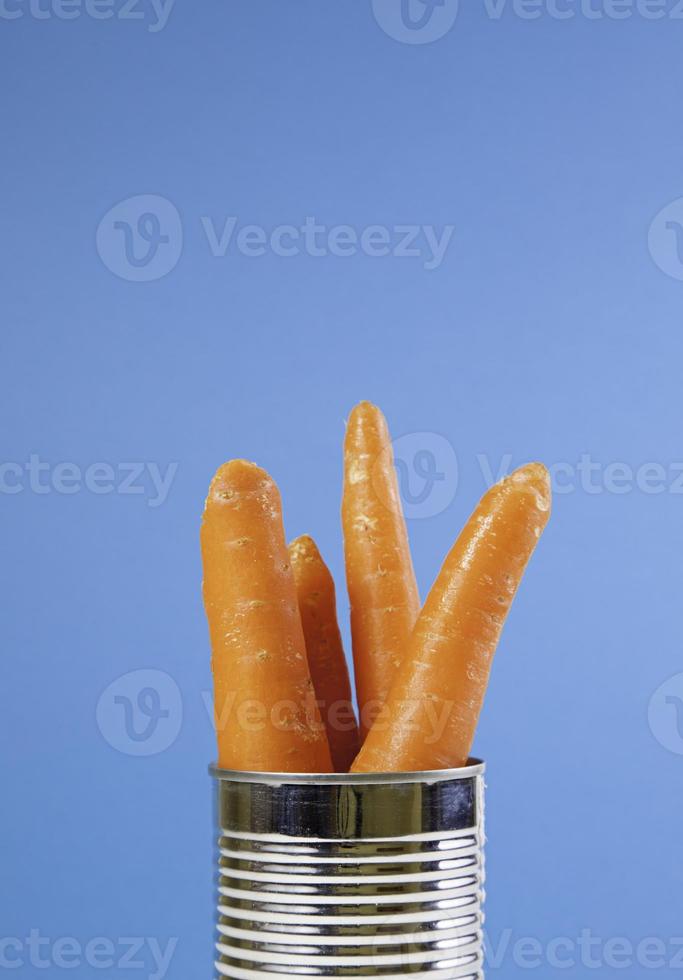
326, 661
379, 570
264, 704
436, 697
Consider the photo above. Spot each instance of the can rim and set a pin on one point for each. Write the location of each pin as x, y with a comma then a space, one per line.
475, 767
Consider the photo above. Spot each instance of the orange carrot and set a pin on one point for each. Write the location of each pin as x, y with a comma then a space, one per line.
379, 570
435, 700
326, 661
266, 718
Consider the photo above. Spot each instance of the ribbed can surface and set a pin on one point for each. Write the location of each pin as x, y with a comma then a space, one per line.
350, 875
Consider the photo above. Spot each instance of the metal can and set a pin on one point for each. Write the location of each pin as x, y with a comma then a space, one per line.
350, 875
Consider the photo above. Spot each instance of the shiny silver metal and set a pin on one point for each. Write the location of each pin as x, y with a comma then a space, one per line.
350, 875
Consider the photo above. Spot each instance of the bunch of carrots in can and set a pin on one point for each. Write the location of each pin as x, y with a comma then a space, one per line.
282, 694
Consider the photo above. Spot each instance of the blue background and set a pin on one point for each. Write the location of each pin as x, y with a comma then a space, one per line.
547, 332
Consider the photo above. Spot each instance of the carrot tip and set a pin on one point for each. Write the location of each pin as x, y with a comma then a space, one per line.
535, 477
238, 476
365, 406
304, 547
366, 414
367, 433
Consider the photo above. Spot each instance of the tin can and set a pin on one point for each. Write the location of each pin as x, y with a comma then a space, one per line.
350, 875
